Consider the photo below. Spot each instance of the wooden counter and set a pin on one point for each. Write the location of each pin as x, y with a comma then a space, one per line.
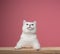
44, 50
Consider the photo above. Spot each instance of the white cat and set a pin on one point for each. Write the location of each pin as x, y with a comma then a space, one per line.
28, 36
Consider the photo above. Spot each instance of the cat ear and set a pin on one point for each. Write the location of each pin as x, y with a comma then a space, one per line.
34, 21
24, 21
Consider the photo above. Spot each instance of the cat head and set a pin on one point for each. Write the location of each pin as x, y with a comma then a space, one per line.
29, 27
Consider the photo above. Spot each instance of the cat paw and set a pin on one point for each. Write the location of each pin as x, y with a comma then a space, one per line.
17, 48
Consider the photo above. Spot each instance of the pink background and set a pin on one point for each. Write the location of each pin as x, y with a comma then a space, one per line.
45, 12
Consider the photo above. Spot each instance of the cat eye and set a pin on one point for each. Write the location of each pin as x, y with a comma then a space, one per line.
32, 24
26, 24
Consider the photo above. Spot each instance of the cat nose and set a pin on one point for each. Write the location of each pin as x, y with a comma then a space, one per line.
29, 25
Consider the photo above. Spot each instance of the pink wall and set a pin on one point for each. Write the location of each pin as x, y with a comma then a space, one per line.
45, 12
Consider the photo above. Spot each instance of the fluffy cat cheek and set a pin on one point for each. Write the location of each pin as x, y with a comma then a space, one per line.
25, 30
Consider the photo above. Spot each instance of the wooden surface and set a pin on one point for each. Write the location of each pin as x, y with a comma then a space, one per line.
44, 50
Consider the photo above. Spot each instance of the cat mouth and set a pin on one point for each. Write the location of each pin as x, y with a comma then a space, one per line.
30, 28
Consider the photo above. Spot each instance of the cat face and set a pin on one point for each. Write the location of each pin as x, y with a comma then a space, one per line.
29, 27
